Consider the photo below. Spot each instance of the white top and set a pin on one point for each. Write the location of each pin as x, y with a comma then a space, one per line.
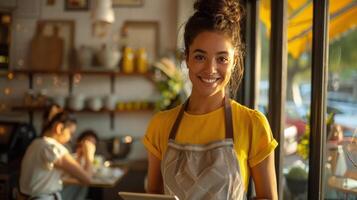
38, 176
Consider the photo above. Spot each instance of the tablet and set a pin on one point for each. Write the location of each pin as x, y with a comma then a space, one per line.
145, 196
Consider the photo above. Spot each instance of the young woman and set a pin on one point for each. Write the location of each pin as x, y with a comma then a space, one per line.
87, 135
208, 147
78, 192
46, 159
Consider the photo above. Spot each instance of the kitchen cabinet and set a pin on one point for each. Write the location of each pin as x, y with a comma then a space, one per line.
71, 74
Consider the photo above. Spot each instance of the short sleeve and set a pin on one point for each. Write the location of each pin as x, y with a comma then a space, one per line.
151, 139
50, 153
262, 143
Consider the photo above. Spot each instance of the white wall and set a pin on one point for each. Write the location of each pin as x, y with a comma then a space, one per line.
25, 17
184, 11
28, 12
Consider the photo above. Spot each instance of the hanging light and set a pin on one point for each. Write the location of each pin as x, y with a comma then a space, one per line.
103, 17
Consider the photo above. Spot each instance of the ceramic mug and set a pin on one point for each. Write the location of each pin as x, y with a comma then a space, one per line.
95, 103
109, 102
76, 102
59, 100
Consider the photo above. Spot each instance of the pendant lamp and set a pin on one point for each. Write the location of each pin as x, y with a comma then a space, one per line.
102, 17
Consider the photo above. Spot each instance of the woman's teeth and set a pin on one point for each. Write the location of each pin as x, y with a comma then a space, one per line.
212, 80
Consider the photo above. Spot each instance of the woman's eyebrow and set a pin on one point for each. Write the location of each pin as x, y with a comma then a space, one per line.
204, 52
222, 52
199, 51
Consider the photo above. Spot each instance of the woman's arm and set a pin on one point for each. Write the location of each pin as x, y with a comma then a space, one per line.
72, 167
155, 184
88, 151
265, 179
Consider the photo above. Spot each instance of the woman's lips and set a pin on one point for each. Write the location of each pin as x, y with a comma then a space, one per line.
209, 80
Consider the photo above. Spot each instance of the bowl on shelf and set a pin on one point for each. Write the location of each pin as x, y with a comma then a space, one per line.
84, 56
108, 57
109, 102
76, 102
94, 103
59, 100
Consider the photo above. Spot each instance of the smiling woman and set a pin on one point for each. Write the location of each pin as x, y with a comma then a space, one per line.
208, 147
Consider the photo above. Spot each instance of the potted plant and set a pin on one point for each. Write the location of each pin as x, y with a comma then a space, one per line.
296, 180
169, 82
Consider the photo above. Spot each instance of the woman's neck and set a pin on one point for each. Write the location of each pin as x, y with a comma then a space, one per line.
203, 104
50, 135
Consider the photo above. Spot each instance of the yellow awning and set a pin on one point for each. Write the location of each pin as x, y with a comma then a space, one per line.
343, 17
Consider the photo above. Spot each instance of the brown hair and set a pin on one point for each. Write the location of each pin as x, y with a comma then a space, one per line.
50, 111
85, 134
64, 117
222, 16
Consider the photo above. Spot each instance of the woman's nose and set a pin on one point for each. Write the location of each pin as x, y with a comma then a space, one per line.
211, 66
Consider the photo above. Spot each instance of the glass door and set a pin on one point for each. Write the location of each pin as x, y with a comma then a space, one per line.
341, 147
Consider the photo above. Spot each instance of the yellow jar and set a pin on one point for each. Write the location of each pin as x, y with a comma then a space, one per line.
141, 60
128, 60
120, 106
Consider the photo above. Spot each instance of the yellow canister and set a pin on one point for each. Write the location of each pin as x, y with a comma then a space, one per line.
141, 61
128, 60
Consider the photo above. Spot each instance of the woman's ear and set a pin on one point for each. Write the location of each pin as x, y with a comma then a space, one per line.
59, 127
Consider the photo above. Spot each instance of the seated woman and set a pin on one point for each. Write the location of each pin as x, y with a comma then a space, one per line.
46, 159
89, 136
77, 192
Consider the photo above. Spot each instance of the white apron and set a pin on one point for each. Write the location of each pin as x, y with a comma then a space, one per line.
202, 172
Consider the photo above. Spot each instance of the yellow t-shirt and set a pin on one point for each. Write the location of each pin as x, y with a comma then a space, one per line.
253, 139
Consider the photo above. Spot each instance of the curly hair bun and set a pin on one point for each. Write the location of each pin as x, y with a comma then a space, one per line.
230, 10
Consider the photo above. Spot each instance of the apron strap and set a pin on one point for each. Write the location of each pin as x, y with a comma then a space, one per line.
227, 114
178, 120
228, 119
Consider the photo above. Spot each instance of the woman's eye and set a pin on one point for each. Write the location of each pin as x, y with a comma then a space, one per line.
199, 57
222, 60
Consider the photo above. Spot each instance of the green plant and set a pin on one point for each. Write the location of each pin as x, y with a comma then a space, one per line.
169, 83
296, 180
297, 173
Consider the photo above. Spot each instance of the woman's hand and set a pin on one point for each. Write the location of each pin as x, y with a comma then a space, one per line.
79, 152
88, 149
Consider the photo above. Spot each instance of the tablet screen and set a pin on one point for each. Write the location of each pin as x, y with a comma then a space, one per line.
145, 196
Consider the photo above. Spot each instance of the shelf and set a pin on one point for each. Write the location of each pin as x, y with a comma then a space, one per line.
40, 108
71, 74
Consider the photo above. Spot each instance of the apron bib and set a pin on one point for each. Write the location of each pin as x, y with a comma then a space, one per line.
202, 172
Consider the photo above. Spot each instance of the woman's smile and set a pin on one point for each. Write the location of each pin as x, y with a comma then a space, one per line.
209, 79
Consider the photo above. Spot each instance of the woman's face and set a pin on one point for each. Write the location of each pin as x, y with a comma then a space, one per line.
67, 132
210, 61
90, 139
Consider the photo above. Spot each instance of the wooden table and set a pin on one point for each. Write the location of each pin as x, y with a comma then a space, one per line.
343, 184
110, 180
